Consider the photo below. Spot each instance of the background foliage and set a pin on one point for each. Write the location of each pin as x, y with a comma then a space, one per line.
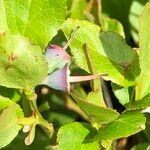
111, 112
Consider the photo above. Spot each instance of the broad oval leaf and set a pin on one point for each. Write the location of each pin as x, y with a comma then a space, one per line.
126, 124
73, 135
37, 20
96, 113
22, 65
89, 33
116, 49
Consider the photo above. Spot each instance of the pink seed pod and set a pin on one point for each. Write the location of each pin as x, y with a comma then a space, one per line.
61, 79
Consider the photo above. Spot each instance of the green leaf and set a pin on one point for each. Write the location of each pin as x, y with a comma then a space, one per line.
8, 126
116, 49
89, 33
122, 94
96, 97
98, 114
6, 102
22, 65
142, 103
12, 94
77, 9
146, 132
41, 142
143, 88
145, 39
128, 123
135, 11
37, 20
109, 24
72, 136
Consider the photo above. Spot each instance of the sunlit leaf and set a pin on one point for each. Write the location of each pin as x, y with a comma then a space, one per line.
126, 124
72, 136
37, 20
22, 65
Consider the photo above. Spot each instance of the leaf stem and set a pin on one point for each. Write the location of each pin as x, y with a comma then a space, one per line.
95, 84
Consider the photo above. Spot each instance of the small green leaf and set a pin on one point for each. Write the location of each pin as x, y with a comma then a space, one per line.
77, 9
37, 20
126, 124
104, 62
72, 136
96, 97
22, 65
12, 94
109, 24
8, 126
98, 114
6, 102
122, 94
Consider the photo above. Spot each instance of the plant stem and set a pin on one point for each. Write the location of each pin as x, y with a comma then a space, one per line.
95, 84
37, 117
71, 38
27, 120
99, 11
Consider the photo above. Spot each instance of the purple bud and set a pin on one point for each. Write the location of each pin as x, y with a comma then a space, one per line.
61, 79
56, 57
